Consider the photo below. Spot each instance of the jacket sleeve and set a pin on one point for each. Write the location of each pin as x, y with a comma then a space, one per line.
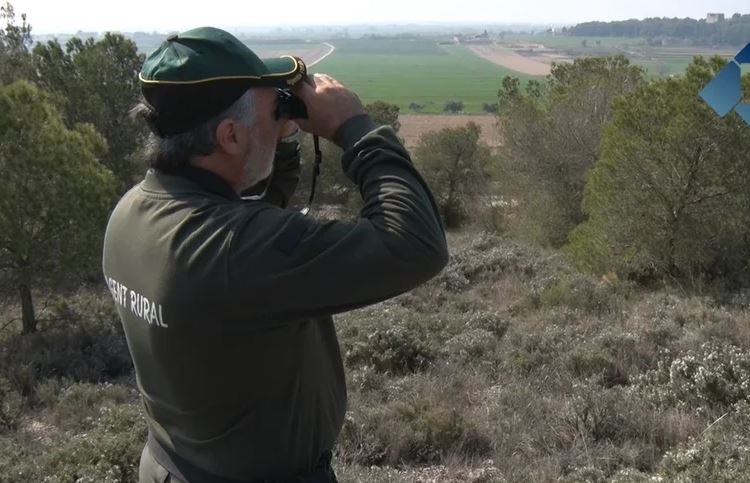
284, 266
285, 177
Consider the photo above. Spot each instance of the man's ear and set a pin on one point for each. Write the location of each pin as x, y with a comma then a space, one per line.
229, 137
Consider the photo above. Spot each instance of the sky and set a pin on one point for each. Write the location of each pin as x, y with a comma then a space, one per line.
70, 16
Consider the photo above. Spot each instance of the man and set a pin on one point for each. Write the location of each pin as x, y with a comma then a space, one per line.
226, 302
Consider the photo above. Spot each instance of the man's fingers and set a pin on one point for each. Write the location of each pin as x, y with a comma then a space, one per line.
326, 79
329, 105
304, 90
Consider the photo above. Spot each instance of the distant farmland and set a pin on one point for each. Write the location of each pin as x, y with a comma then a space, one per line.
404, 71
425, 72
657, 60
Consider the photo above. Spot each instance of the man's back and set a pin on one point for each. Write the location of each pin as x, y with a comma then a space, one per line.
238, 395
226, 304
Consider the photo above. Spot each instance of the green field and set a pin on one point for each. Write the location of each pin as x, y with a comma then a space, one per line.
421, 71
663, 61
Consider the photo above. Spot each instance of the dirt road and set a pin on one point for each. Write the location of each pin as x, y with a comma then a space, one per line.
320, 59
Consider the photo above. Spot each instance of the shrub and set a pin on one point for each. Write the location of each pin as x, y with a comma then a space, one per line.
716, 374
74, 405
471, 346
454, 106
86, 344
416, 107
396, 344
490, 107
12, 405
416, 431
584, 363
487, 258
107, 453
595, 414
715, 458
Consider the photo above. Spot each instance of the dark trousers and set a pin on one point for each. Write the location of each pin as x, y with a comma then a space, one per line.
151, 471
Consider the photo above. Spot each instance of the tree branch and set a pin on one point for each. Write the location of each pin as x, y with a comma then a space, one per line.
705, 198
8, 323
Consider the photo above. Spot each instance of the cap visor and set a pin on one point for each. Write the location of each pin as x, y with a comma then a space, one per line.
283, 71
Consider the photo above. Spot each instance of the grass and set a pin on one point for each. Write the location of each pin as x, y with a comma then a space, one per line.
405, 76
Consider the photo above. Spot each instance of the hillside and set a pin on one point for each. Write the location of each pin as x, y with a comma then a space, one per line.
510, 366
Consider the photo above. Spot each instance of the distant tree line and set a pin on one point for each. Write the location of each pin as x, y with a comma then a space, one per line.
734, 31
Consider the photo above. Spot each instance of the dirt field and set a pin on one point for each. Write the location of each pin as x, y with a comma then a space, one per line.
511, 59
414, 125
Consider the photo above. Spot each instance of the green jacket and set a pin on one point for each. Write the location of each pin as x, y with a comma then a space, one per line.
227, 304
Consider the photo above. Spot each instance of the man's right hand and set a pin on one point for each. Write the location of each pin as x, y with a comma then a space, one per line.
329, 105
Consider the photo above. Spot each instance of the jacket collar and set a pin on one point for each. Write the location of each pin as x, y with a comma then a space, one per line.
202, 178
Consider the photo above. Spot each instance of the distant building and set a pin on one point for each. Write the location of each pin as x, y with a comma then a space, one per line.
483, 38
714, 17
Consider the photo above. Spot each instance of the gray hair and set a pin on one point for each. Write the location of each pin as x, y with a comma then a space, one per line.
172, 153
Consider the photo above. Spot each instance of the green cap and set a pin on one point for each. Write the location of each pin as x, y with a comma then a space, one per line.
195, 75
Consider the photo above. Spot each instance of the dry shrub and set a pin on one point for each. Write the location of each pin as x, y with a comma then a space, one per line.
421, 419
12, 406
74, 406
107, 453
587, 294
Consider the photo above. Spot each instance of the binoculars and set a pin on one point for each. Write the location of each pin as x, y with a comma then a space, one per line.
290, 106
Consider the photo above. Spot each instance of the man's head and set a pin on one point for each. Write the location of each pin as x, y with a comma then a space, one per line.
240, 141
210, 101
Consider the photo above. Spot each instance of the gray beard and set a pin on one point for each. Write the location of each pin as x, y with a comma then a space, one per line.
259, 166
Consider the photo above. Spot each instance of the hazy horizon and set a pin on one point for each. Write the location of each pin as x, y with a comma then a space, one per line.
140, 15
